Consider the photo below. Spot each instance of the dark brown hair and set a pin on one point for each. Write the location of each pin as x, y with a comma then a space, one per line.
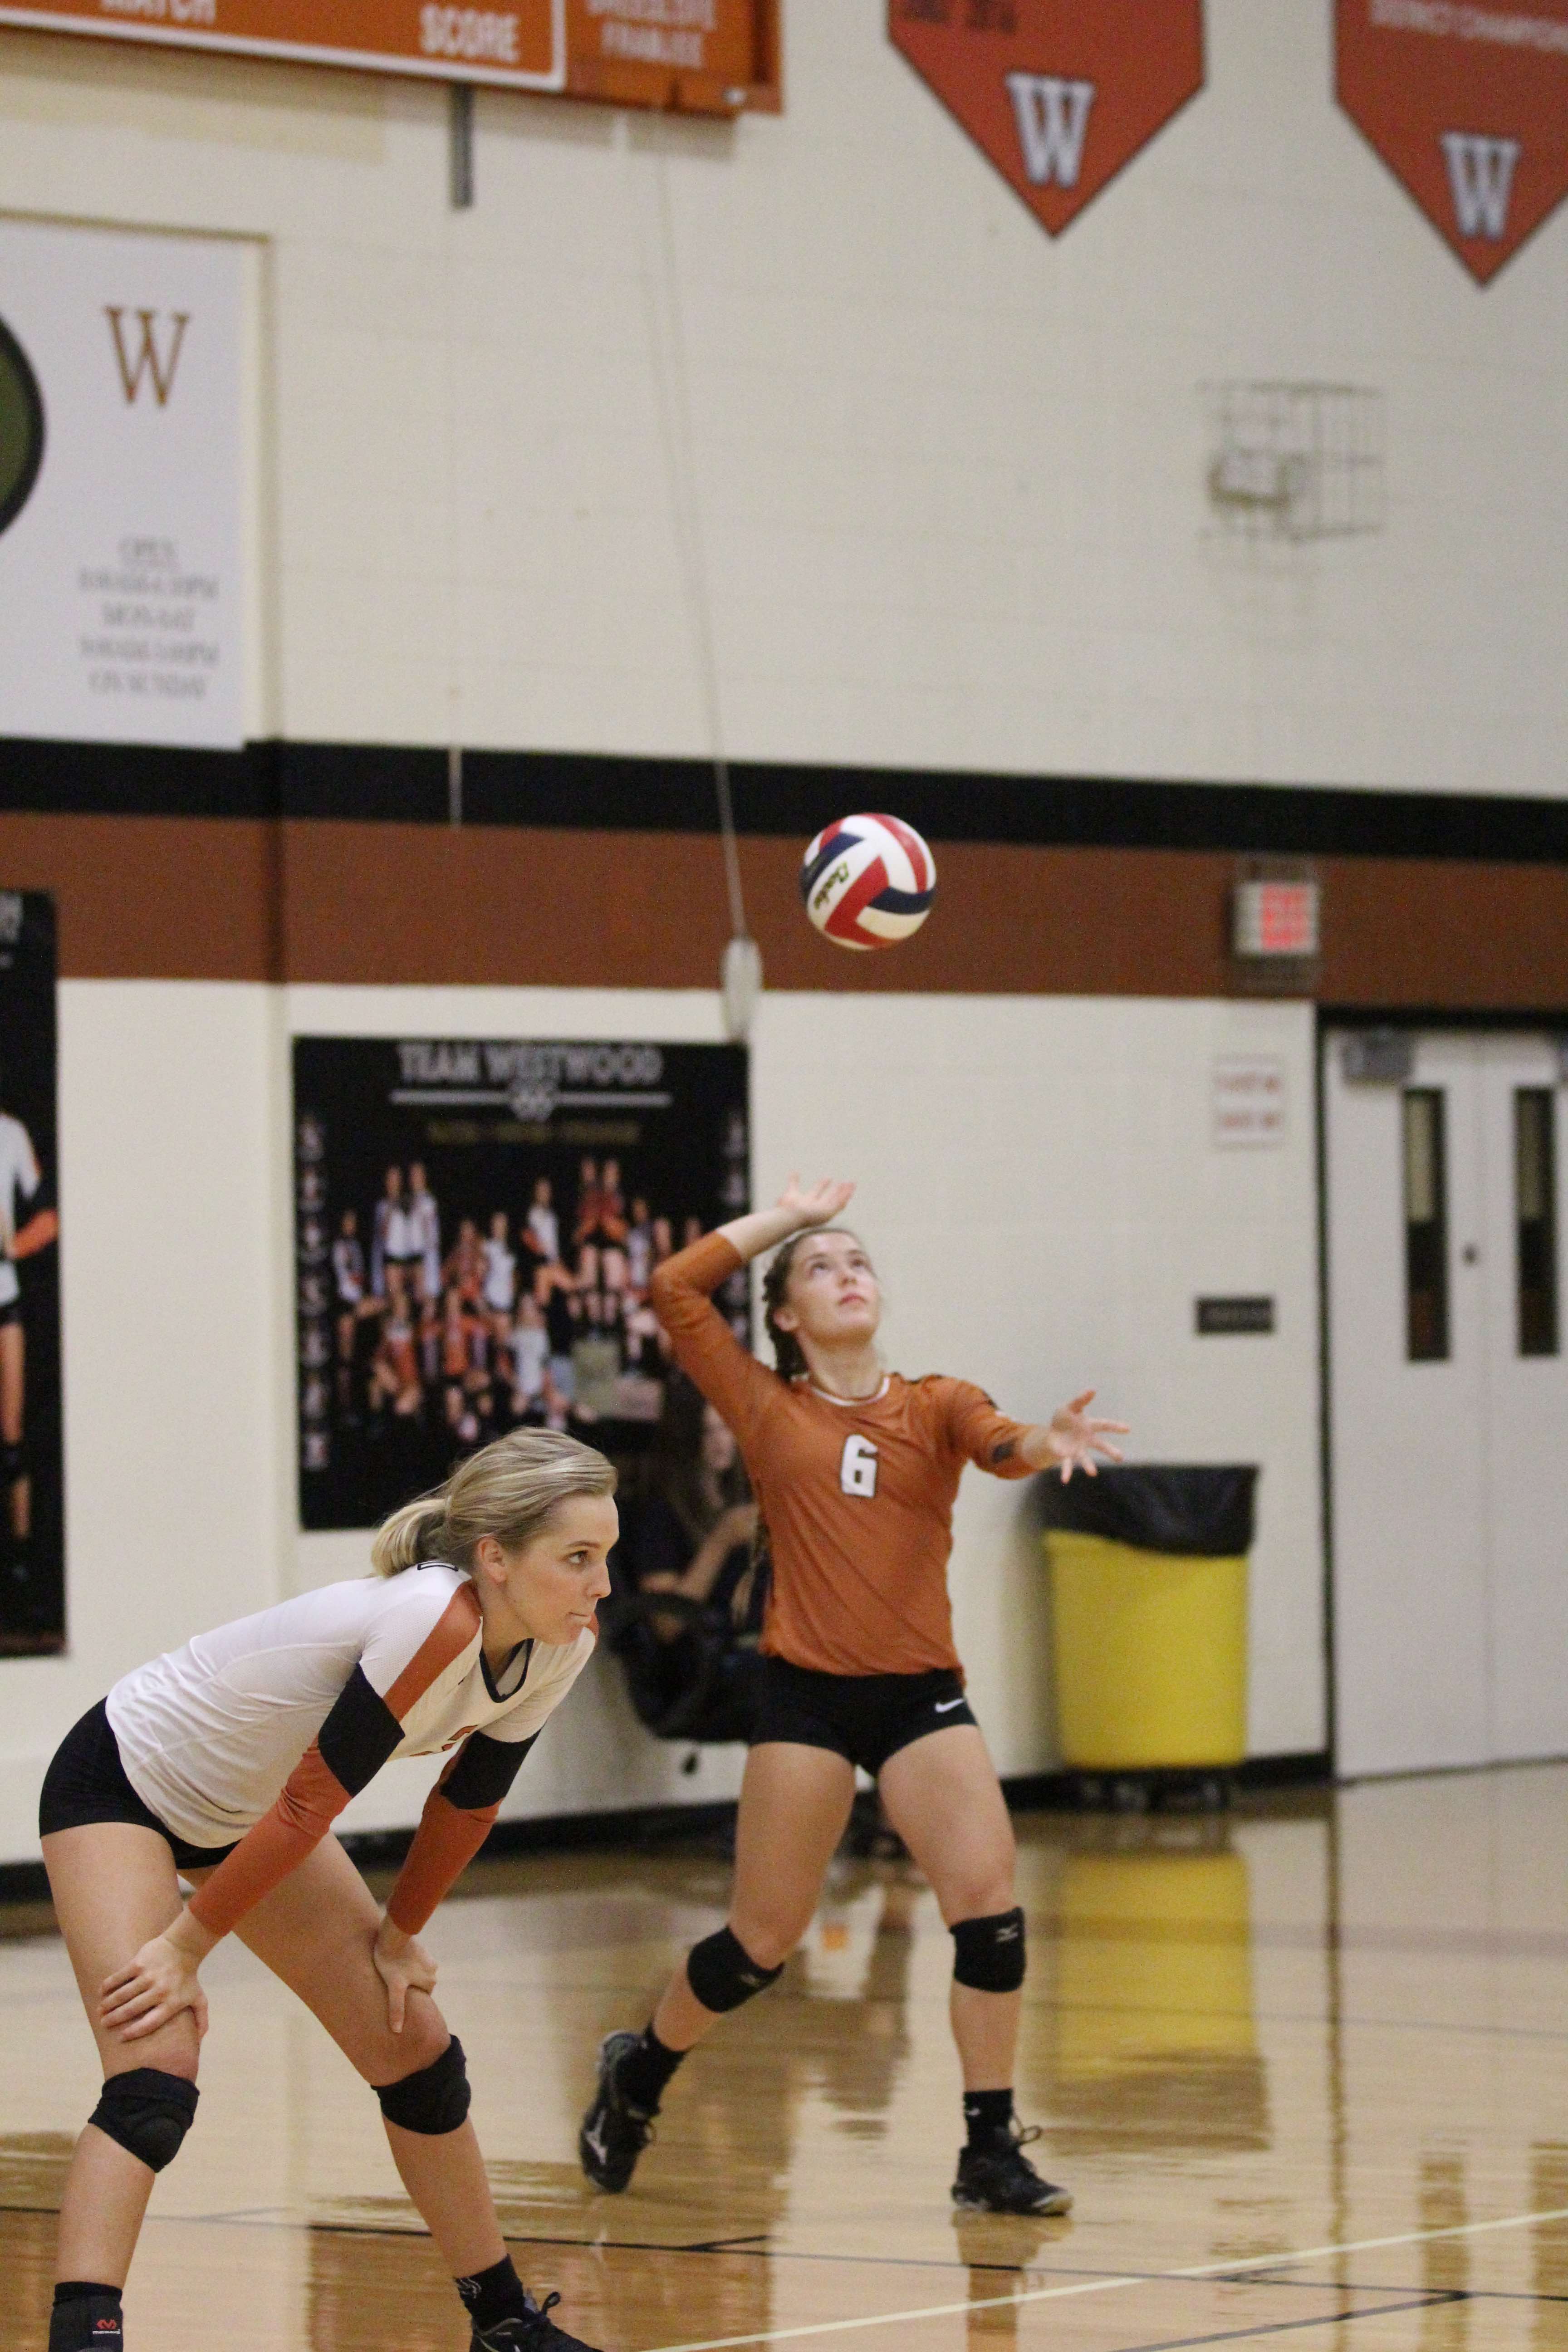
789, 1358
675, 1467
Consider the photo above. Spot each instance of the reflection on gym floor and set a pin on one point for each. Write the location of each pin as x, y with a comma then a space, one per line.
1154, 2043
1321, 2022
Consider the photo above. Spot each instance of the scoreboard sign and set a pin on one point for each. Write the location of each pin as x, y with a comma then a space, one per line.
519, 42
701, 57
1058, 94
711, 57
1467, 103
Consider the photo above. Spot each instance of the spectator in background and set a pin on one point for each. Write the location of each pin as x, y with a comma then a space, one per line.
693, 1535
587, 1226
500, 1277
543, 1225
465, 1264
530, 1357
386, 1231
424, 1223
29, 1222
639, 1249
348, 1286
395, 1370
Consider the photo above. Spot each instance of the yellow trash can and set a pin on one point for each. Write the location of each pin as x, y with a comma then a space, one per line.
1148, 1568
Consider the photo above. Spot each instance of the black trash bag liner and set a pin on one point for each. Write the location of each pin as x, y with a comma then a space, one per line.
1200, 1511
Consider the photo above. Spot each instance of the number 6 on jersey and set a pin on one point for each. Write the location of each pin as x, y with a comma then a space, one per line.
857, 1469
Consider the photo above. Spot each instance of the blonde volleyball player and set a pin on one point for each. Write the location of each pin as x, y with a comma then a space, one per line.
856, 1471
226, 1761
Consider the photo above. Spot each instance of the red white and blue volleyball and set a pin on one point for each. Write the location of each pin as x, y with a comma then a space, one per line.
868, 881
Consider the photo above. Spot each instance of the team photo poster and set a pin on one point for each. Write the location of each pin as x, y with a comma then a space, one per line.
32, 1480
477, 1225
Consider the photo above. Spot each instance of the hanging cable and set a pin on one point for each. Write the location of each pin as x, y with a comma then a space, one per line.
743, 962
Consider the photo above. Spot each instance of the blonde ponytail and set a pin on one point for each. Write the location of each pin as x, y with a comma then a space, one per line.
508, 1489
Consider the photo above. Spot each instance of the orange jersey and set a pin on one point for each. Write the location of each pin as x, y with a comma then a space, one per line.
857, 1496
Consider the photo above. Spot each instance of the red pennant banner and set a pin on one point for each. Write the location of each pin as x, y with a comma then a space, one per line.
1467, 103
1058, 93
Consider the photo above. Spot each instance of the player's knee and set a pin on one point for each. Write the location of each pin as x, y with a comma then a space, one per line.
147, 2112
723, 1974
433, 2100
13, 1460
988, 1953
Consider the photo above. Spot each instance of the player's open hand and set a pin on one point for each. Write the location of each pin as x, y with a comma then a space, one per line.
818, 1203
157, 1985
1072, 1439
404, 1966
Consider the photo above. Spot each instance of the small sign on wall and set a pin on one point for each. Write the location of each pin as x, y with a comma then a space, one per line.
1247, 1102
121, 597
1229, 1319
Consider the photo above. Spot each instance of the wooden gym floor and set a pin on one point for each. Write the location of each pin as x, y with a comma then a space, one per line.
1306, 2073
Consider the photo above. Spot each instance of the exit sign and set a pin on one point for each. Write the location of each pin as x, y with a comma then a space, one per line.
1275, 918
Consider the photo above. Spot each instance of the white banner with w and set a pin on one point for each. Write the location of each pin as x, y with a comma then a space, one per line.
121, 597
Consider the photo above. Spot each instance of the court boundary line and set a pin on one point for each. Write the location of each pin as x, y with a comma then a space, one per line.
1419, 2299
1119, 2281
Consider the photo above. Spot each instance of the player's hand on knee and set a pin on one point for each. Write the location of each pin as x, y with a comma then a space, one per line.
152, 1988
404, 1966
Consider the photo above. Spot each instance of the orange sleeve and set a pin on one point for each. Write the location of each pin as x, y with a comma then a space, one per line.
729, 1376
311, 1800
445, 1841
985, 1436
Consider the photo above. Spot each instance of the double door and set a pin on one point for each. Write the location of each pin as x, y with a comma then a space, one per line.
1446, 1200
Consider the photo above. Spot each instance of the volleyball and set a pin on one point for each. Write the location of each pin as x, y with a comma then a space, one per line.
868, 881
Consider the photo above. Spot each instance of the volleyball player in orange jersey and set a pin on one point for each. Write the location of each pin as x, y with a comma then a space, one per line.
856, 1471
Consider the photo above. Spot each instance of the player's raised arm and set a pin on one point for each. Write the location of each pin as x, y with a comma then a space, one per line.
705, 1347
798, 1207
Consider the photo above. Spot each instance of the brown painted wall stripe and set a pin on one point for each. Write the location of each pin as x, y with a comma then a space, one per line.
200, 898
151, 898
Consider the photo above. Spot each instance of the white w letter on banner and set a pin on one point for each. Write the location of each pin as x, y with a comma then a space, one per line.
147, 361
1053, 119
1480, 174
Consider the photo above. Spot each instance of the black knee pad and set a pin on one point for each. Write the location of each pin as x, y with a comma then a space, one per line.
989, 1953
147, 2113
14, 1465
434, 2101
722, 1973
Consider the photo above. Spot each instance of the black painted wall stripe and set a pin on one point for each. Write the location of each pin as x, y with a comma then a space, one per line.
566, 790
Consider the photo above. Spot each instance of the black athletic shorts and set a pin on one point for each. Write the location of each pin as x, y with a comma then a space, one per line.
867, 1718
85, 1782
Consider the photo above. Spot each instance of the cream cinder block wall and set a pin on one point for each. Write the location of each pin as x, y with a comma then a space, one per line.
949, 472
1041, 1192
175, 1253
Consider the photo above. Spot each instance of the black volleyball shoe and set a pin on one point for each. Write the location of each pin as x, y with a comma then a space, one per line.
614, 2133
1001, 2179
534, 2332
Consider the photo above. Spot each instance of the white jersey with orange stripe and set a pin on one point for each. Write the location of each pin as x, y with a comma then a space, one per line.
210, 1733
